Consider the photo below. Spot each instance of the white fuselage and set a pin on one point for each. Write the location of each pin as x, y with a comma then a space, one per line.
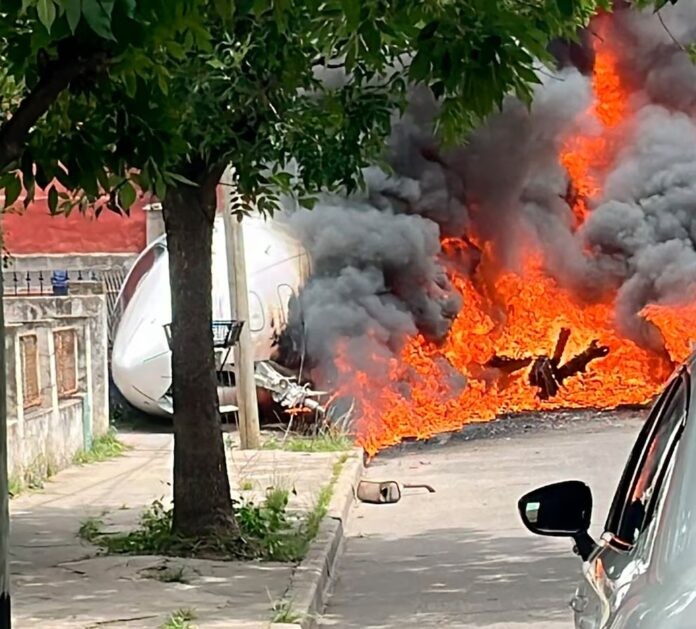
277, 265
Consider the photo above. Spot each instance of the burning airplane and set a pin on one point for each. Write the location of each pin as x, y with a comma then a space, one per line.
549, 262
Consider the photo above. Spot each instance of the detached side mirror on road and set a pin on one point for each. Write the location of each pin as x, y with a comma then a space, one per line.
560, 510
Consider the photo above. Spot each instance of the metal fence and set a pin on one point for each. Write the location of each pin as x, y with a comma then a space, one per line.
19, 283
112, 282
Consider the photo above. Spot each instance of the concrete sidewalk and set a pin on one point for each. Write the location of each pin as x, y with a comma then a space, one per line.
61, 582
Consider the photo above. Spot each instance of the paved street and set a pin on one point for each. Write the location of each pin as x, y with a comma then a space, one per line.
460, 557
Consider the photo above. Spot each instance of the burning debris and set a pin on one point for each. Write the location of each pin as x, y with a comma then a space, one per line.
546, 372
577, 215
548, 375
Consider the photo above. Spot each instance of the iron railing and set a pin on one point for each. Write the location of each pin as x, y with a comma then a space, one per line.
20, 283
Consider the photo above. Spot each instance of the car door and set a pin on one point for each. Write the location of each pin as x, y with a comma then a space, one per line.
622, 557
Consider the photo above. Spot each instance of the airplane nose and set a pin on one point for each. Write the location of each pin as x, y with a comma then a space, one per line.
141, 358
141, 363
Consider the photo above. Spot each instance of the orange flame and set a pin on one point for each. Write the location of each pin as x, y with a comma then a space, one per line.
586, 156
415, 397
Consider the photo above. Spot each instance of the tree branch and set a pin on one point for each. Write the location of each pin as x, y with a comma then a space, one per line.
58, 76
672, 36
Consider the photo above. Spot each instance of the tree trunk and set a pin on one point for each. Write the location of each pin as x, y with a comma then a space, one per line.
202, 501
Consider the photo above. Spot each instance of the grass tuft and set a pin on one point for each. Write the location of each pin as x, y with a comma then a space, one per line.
180, 619
169, 574
104, 447
326, 441
282, 612
91, 529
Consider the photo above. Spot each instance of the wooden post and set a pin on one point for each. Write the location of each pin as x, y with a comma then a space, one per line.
5, 617
249, 432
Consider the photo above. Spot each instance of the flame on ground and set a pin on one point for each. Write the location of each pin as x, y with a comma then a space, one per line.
517, 315
418, 397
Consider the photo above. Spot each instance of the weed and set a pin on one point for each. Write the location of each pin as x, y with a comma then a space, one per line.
282, 612
153, 537
170, 575
91, 529
246, 485
277, 500
325, 441
180, 619
103, 448
267, 531
15, 486
33, 477
271, 527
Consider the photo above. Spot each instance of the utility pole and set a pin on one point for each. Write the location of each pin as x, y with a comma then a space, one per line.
249, 432
5, 616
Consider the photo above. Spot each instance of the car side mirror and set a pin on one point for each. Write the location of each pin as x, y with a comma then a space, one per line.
560, 510
373, 492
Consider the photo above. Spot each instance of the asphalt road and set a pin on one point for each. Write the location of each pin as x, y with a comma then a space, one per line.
461, 557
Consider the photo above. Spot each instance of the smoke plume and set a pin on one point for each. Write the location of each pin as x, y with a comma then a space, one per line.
379, 273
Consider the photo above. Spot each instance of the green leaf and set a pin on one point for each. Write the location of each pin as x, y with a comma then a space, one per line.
351, 8
126, 195
420, 66
225, 9
53, 199
308, 202
131, 81
566, 7
372, 37
130, 7
97, 14
47, 13
428, 31
13, 186
160, 188
691, 51
260, 6
181, 179
73, 11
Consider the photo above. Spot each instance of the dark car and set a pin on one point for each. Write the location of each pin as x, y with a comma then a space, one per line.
641, 574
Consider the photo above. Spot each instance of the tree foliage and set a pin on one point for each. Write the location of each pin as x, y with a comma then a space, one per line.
60, 56
233, 81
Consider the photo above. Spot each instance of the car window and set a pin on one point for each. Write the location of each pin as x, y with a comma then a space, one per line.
633, 505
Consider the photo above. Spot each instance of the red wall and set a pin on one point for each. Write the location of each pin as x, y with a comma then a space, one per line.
36, 231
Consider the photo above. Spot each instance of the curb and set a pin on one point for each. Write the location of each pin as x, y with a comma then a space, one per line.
312, 579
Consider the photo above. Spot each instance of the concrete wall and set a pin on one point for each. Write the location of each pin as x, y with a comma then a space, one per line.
44, 437
87, 262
